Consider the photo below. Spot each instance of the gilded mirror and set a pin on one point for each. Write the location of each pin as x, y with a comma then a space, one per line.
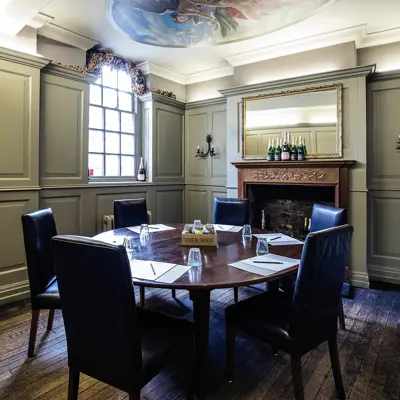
315, 114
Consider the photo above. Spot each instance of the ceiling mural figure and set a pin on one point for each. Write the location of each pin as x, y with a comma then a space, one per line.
185, 23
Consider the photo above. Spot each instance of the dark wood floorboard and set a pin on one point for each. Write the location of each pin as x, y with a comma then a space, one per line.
369, 353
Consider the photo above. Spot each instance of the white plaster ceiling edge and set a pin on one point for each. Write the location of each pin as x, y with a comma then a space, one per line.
63, 35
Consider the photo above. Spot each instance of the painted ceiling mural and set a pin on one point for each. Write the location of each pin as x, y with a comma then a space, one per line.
185, 23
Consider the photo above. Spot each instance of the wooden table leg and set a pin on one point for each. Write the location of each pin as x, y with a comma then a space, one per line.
201, 320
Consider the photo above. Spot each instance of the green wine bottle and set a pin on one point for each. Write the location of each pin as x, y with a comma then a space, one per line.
278, 150
293, 152
300, 150
270, 154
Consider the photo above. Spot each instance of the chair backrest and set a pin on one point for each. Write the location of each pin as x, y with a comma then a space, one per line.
38, 228
325, 217
319, 281
99, 310
131, 212
230, 211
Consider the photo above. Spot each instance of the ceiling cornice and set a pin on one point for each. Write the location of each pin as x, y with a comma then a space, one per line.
58, 70
205, 103
382, 37
300, 80
60, 34
276, 50
150, 96
39, 20
149, 67
385, 76
23, 58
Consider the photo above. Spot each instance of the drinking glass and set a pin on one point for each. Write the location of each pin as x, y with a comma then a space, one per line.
246, 232
144, 231
198, 227
262, 246
194, 258
128, 244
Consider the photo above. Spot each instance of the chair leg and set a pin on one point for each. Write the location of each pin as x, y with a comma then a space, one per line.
73, 385
50, 320
142, 296
230, 352
236, 294
337, 375
342, 323
173, 292
32, 335
297, 378
134, 396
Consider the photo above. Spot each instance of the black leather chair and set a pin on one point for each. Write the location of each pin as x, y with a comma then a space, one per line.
38, 228
108, 337
131, 212
300, 325
230, 211
325, 217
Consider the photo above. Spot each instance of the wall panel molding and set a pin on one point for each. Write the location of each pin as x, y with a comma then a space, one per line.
64, 136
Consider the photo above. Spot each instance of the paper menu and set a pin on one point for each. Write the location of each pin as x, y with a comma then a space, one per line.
164, 272
153, 228
142, 269
279, 239
227, 228
269, 267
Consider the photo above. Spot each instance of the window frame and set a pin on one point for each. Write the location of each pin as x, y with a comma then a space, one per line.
136, 140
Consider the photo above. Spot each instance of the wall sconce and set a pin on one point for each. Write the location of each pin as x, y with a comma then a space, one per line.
210, 150
398, 143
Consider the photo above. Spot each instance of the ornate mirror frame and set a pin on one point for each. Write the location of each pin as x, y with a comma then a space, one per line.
339, 129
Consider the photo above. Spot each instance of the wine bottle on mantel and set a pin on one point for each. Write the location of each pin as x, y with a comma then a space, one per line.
269, 153
278, 150
285, 148
300, 151
293, 153
141, 171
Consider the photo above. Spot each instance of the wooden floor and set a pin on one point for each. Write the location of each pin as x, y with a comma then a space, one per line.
369, 356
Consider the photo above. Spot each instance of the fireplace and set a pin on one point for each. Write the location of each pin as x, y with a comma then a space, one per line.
287, 191
287, 208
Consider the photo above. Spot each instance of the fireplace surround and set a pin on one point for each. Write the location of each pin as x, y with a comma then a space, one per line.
287, 190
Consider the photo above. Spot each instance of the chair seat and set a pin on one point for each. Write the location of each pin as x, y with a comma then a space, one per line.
161, 337
49, 299
267, 317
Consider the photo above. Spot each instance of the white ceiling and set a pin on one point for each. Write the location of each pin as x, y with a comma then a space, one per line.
367, 22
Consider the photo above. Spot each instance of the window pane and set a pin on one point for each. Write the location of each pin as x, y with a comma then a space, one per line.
124, 81
112, 120
112, 142
110, 77
96, 141
125, 101
95, 94
96, 117
96, 163
126, 122
98, 80
127, 144
127, 166
110, 98
112, 165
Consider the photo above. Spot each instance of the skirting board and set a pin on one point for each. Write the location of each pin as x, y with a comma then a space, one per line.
14, 291
384, 274
359, 279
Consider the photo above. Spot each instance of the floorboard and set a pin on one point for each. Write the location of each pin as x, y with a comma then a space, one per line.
369, 353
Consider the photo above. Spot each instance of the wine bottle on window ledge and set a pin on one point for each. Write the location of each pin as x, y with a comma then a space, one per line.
142, 171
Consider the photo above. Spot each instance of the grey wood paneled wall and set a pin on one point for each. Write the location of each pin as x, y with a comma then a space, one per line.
205, 178
384, 177
44, 159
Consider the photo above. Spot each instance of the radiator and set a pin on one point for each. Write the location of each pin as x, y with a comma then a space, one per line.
108, 223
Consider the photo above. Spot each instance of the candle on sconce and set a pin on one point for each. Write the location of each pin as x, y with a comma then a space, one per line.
198, 147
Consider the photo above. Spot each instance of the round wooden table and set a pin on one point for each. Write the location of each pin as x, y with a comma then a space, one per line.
215, 272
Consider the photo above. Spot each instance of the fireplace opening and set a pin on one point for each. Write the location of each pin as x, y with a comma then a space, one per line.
286, 207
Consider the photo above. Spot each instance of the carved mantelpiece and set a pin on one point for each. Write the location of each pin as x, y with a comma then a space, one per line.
311, 173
